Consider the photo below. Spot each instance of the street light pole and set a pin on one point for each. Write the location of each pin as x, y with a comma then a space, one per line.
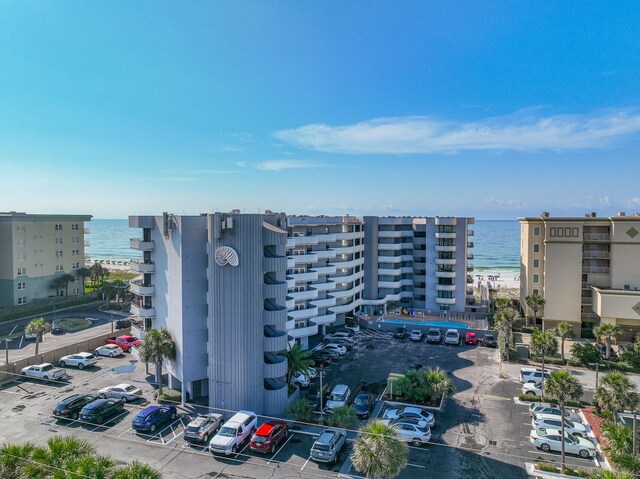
112, 321
321, 399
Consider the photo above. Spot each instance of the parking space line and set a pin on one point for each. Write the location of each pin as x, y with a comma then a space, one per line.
125, 431
280, 449
305, 463
416, 465
241, 450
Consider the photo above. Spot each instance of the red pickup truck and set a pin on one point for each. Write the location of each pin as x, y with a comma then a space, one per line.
125, 342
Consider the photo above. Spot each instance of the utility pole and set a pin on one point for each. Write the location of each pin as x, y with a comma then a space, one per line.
6, 353
635, 445
322, 397
112, 321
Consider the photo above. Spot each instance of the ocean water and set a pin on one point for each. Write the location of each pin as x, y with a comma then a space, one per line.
496, 243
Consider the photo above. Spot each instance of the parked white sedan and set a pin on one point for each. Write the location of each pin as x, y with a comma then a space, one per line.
410, 413
551, 440
532, 388
109, 350
336, 348
549, 421
80, 360
409, 432
125, 391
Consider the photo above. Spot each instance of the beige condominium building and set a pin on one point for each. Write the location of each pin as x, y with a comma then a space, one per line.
586, 268
37, 249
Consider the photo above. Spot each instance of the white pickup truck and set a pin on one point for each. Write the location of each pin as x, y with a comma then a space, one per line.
43, 371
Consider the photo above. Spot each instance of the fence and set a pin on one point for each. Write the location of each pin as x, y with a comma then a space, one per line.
9, 371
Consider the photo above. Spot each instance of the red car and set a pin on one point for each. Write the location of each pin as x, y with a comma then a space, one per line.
125, 342
269, 436
470, 338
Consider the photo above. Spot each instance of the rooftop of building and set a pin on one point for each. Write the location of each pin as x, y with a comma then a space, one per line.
20, 215
591, 216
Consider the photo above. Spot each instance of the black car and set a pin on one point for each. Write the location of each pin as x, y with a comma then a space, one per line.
100, 410
434, 336
321, 360
313, 396
123, 323
400, 333
57, 330
363, 404
69, 408
489, 340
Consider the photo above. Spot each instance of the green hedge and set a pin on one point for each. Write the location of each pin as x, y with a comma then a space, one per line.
532, 398
169, 396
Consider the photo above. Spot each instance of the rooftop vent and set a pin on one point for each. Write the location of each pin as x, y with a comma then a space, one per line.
545, 214
621, 213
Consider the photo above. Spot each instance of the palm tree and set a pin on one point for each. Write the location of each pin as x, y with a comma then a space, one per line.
609, 331
13, 457
564, 330
157, 346
137, 470
563, 385
65, 279
60, 451
83, 273
377, 451
600, 474
543, 344
618, 438
38, 327
57, 283
616, 393
297, 360
505, 318
438, 383
301, 410
344, 417
108, 290
535, 303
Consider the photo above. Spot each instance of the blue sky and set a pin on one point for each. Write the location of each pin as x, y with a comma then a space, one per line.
486, 109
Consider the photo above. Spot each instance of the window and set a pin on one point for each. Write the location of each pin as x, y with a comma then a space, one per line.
75, 240
21, 242
74, 227
20, 228
58, 254
536, 248
59, 267
22, 300
536, 263
445, 307
58, 228
22, 256
22, 271
445, 229
76, 290
22, 286
536, 278
299, 306
536, 292
76, 266
75, 252
58, 240
536, 231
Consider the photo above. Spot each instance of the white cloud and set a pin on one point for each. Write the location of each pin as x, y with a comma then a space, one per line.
605, 201
509, 205
278, 165
525, 131
634, 201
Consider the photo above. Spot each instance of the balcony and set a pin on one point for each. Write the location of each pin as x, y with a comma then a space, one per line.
303, 332
274, 317
348, 249
87, 243
596, 237
324, 302
589, 317
274, 366
87, 231
469, 279
445, 274
302, 241
274, 263
469, 292
325, 270
137, 332
142, 267
470, 269
446, 300
389, 272
469, 256
349, 236
324, 286
471, 233
391, 234
345, 264
326, 238
595, 270
325, 254
141, 245
311, 275
448, 249
450, 261
143, 311
274, 340
305, 313
469, 244
392, 246
304, 258
137, 287
303, 295
445, 287
325, 319
446, 235
585, 300
274, 290
596, 254
445, 221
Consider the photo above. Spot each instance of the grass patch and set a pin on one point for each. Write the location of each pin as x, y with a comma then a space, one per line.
72, 324
47, 306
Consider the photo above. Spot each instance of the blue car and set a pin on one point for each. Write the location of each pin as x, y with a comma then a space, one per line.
153, 416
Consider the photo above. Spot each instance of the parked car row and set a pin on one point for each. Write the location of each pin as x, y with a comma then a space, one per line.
451, 336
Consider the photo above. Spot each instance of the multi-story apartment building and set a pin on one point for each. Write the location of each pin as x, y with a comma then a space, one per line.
587, 269
37, 249
418, 262
217, 282
235, 289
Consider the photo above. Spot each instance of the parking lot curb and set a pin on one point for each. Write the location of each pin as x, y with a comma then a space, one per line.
533, 472
502, 374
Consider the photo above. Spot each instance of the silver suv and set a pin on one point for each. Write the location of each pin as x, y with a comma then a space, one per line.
202, 428
328, 445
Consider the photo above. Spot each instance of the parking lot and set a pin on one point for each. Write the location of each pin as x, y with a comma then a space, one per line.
481, 431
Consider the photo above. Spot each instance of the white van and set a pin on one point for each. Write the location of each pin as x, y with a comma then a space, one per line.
234, 432
339, 397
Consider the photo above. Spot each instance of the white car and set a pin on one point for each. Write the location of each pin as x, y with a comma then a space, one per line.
109, 350
551, 440
125, 391
452, 336
410, 413
80, 360
533, 375
312, 373
300, 379
336, 348
416, 335
549, 421
532, 388
340, 334
413, 433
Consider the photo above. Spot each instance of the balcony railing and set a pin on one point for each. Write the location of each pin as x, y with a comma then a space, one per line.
596, 254
87, 231
469, 256
469, 244
595, 270
471, 233
87, 243
589, 317
596, 236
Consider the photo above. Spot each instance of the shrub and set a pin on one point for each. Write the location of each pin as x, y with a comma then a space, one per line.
632, 357
344, 417
301, 410
424, 387
586, 353
546, 467
532, 398
548, 360
169, 396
